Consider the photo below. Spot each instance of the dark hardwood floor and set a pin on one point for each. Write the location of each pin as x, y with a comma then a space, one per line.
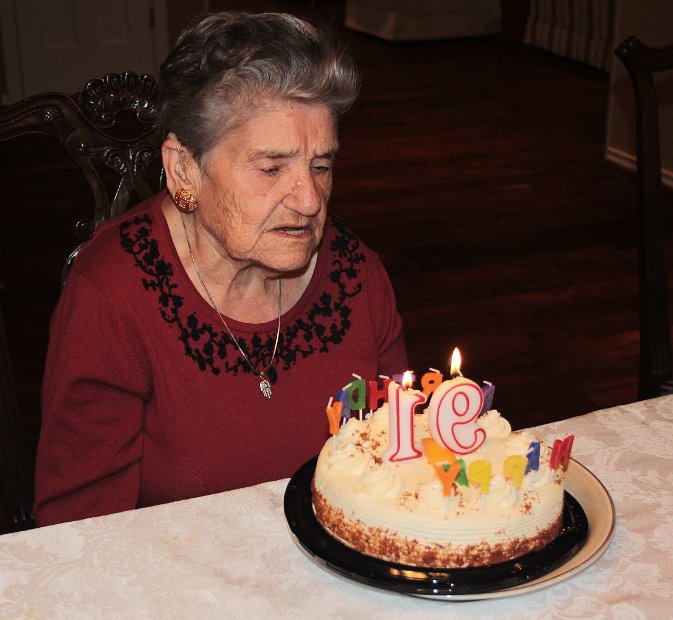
475, 168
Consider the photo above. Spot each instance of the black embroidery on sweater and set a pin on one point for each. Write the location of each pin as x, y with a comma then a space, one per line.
324, 325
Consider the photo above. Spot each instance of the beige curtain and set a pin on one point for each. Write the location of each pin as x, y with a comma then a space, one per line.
578, 29
415, 20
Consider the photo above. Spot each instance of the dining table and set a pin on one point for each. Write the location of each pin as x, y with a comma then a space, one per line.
235, 555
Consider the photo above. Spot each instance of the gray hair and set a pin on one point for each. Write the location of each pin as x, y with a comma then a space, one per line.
224, 60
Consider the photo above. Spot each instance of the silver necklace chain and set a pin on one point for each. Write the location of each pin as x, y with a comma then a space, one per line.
264, 383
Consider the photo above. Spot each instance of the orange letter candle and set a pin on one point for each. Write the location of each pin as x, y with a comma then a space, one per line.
334, 416
430, 381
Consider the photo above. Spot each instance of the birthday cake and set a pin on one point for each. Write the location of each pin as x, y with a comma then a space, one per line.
445, 486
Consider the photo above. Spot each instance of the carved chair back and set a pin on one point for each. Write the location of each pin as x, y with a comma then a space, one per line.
656, 367
108, 129
15, 466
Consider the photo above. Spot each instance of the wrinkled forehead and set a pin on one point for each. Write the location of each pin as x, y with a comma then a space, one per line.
268, 122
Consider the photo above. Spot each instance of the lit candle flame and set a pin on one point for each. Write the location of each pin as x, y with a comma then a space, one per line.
455, 363
407, 379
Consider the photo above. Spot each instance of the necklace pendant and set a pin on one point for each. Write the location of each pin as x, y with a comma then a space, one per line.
264, 386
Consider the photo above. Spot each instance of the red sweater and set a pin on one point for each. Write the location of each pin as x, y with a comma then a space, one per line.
147, 400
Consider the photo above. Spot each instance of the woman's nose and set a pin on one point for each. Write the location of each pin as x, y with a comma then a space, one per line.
305, 196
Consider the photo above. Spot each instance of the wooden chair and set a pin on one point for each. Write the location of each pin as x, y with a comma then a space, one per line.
656, 368
109, 132
107, 128
16, 468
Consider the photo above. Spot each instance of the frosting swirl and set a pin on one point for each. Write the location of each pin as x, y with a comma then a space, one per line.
542, 476
500, 493
517, 443
380, 481
431, 495
348, 431
379, 419
347, 459
494, 425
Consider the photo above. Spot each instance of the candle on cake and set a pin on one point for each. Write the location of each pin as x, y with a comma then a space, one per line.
333, 412
479, 473
344, 399
560, 453
357, 395
455, 405
430, 381
402, 401
376, 394
514, 469
533, 456
488, 392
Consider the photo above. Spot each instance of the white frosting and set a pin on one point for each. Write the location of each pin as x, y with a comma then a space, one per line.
378, 421
494, 425
500, 494
540, 477
347, 460
407, 497
347, 431
430, 495
380, 480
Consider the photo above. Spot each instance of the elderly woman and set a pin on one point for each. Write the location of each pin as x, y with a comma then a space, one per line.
199, 337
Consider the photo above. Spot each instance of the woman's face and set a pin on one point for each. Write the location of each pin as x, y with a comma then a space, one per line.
264, 188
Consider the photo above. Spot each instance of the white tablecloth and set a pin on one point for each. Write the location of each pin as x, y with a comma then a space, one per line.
232, 556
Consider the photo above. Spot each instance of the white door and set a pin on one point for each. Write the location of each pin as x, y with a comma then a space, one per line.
59, 45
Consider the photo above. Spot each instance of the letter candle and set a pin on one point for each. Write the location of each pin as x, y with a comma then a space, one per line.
443, 462
454, 406
357, 395
344, 399
514, 469
488, 391
533, 456
461, 478
401, 404
333, 412
377, 394
479, 473
447, 475
430, 381
560, 454
435, 454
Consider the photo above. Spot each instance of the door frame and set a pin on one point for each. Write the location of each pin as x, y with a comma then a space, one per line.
10, 64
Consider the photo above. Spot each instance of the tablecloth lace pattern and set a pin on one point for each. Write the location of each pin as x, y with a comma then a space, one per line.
231, 555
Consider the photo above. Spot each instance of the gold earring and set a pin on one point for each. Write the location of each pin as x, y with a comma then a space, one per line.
185, 201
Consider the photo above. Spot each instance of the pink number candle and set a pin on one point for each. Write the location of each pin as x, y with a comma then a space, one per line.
454, 406
401, 404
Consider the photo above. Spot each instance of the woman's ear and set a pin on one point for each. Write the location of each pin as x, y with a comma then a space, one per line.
179, 166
